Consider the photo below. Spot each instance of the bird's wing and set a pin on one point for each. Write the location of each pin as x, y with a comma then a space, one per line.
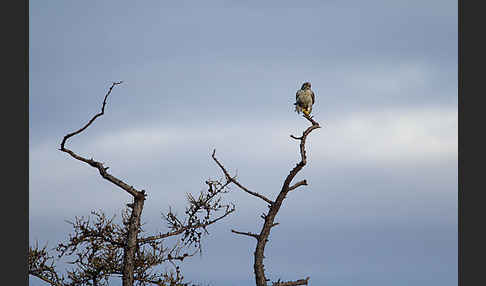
297, 95
313, 97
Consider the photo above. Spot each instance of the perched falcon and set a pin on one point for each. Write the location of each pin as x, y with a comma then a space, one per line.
304, 99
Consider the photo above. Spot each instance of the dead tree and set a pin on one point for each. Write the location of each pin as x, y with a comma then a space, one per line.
273, 208
103, 248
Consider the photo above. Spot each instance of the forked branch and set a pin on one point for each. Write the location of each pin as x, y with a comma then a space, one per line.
182, 229
102, 248
133, 226
274, 207
41, 265
95, 164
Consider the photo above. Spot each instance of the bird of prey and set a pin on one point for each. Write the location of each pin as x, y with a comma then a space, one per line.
304, 99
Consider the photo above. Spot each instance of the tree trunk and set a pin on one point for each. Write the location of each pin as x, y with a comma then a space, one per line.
262, 238
131, 243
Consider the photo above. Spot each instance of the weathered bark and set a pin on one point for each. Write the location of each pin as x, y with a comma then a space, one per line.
131, 243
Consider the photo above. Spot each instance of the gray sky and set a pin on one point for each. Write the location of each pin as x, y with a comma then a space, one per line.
381, 205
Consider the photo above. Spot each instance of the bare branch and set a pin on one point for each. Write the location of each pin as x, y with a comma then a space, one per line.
310, 118
298, 184
233, 180
274, 207
170, 278
292, 283
98, 165
41, 265
133, 222
200, 214
182, 229
102, 249
254, 235
92, 119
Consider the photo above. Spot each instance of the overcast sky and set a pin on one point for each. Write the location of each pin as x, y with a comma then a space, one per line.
381, 204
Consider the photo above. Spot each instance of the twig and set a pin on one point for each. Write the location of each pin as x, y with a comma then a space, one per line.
292, 283
92, 119
233, 180
182, 229
298, 184
254, 235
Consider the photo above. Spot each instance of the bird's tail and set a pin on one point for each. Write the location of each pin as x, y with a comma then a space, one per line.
298, 108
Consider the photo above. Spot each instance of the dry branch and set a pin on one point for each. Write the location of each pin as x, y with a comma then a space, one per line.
98, 165
274, 206
184, 228
234, 181
298, 184
102, 248
292, 283
41, 265
254, 235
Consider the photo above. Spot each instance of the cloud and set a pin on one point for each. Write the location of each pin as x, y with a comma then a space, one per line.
374, 149
388, 135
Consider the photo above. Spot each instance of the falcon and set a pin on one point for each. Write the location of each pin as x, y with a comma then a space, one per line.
304, 99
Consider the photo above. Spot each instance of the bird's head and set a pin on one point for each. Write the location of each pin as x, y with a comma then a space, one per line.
306, 85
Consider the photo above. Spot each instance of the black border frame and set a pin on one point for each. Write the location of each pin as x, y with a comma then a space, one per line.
15, 135
16, 139
470, 194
